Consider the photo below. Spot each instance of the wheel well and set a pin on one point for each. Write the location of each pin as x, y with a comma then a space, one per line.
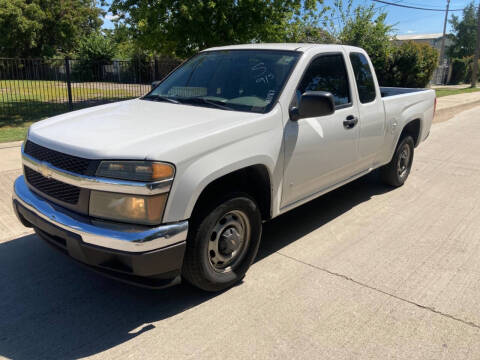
253, 180
412, 129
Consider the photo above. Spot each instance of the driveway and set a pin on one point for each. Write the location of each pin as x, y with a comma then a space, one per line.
363, 272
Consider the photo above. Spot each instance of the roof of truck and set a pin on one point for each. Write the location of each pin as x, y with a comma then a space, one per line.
272, 46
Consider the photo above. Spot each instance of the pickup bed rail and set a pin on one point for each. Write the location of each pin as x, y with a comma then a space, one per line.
392, 91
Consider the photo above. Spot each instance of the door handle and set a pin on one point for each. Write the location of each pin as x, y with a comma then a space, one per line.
350, 122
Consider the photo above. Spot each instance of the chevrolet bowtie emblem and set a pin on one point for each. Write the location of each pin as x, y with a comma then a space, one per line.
45, 170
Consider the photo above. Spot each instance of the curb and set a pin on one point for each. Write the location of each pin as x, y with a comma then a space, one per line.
448, 113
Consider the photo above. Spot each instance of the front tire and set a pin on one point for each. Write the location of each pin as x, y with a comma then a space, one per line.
223, 243
396, 172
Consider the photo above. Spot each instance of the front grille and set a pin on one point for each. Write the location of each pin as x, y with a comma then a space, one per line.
56, 189
60, 160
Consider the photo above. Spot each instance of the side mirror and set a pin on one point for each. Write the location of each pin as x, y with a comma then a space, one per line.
313, 104
154, 84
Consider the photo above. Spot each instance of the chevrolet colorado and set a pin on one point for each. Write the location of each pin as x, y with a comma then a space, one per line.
176, 184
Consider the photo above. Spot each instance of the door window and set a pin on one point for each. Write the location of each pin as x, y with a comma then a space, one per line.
364, 77
327, 73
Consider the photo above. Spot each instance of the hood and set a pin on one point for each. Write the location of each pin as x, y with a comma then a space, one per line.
135, 129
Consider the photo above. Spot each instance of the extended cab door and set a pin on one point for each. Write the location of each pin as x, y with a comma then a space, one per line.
370, 108
321, 151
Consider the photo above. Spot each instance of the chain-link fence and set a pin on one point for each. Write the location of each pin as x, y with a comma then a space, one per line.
31, 89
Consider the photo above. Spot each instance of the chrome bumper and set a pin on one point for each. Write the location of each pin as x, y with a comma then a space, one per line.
123, 237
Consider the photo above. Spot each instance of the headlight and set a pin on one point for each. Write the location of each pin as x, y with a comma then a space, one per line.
137, 209
132, 208
136, 170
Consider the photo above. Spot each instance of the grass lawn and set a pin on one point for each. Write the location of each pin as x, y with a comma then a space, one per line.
24, 102
446, 92
13, 133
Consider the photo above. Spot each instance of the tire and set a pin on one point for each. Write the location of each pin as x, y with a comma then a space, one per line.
223, 243
396, 172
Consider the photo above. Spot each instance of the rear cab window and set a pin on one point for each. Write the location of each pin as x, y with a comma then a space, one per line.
363, 77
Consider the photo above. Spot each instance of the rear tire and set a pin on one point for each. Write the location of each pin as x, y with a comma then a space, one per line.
396, 172
222, 243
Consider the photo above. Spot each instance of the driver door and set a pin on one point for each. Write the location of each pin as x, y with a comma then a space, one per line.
321, 151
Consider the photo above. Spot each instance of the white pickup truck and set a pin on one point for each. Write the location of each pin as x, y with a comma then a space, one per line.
176, 184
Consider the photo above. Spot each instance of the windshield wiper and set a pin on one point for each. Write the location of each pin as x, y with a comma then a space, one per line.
161, 98
203, 101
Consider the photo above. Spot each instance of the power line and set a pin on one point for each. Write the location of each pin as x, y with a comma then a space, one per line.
384, 6
377, 8
413, 7
421, 5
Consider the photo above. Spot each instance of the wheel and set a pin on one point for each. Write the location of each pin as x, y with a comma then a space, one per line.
396, 172
223, 243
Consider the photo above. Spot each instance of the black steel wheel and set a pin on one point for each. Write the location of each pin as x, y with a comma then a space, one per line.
396, 172
223, 243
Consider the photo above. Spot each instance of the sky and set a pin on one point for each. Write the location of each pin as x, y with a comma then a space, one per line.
412, 21
407, 21
107, 20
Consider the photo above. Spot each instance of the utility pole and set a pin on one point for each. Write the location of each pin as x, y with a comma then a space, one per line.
442, 49
477, 50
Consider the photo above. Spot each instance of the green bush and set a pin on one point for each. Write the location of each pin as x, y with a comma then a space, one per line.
462, 70
469, 66
411, 65
459, 71
94, 51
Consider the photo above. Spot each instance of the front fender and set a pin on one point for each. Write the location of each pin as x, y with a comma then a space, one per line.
194, 175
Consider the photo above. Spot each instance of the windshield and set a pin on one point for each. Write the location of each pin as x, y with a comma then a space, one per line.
245, 80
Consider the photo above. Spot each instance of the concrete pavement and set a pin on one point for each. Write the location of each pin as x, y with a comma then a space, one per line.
365, 272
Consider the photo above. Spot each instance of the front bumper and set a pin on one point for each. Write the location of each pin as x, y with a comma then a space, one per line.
148, 256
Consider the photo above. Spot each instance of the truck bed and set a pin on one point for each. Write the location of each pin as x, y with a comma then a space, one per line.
403, 105
392, 91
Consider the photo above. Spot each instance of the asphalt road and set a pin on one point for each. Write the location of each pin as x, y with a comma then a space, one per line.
363, 272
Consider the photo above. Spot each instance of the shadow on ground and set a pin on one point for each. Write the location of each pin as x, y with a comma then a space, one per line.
52, 308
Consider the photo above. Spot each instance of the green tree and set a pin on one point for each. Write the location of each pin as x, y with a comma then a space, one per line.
180, 28
464, 34
26, 19
299, 32
365, 27
43, 28
125, 45
310, 27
